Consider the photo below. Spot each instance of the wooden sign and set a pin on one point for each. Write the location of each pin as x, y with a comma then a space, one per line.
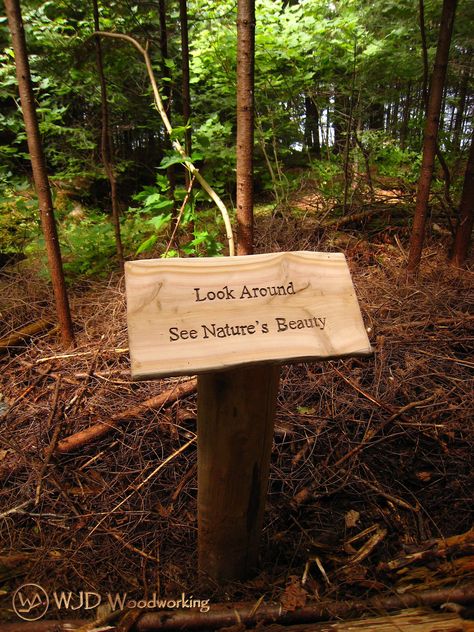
189, 316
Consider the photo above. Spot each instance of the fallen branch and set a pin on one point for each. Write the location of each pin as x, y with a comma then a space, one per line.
441, 549
244, 614
101, 428
23, 334
357, 217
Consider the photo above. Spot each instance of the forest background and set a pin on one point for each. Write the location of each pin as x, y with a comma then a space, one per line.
340, 95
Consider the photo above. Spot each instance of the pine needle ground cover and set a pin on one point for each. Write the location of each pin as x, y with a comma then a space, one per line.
371, 485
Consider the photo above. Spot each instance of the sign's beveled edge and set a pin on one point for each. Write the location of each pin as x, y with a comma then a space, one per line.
141, 377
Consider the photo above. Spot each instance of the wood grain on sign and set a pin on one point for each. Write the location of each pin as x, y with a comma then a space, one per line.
189, 316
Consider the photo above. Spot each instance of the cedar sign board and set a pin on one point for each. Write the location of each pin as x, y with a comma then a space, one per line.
188, 316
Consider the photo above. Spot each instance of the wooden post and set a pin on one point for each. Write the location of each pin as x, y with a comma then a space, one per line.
236, 412
233, 320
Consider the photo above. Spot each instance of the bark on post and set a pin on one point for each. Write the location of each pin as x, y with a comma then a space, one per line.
236, 412
38, 165
431, 135
466, 219
106, 140
236, 408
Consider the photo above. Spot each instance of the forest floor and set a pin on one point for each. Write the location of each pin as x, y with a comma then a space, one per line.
372, 469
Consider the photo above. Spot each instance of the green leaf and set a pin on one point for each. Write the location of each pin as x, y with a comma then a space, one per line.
147, 244
174, 159
169, 254
156, 202
178, 132
160, 221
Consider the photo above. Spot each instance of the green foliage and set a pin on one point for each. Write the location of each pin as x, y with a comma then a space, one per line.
155, 214
19, 223
214, 139
87, 246
356, 53
389, 158
329, 177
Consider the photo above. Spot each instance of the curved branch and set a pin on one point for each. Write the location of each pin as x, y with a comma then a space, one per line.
176, 144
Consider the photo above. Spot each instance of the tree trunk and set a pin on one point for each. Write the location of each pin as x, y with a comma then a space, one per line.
406, 118
106, 140
183, 16
347, 146
460, 109
311, 130
38, 165
376, 116
466, 219
439, 155
424, 52
431, 135
340, 116
245, 124
395, 112
164, 56
166, 74
186, 96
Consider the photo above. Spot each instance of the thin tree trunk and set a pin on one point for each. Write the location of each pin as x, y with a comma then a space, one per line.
164, 56
186, 93
460, 109
430, 135
311, 132
347, 147
466, 219
165, 71
106, 140
439, 154
38, 165
406, 118
340, 116
245, 124
395, 111
183, 16
366, 154
424, 52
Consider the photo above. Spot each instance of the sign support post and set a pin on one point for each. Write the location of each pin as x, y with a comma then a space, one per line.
233, 321
236, 413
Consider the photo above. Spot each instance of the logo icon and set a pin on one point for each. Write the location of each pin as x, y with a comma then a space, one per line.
30, 602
